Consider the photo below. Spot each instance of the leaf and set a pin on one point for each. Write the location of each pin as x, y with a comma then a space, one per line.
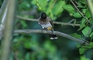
86, 31
42, 4
84, 10
91, 35
82, 1
76, 35
77, 15
48, 9
88, 13
24, 5
27, 44
58, 8
82, 50
69, 8
33, 1
84, 58
24, 24
82, 25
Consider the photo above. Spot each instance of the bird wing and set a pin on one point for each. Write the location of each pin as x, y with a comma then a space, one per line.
50, 20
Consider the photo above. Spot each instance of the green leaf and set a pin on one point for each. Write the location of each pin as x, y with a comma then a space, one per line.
82, 1
42, 4
82, 50
69, 8
84, 10
91, 35
58, 8
86, 31
48, 9
27, 44
24, 24
88, 13
82, 25
77, 15
33, 1
84, 58
76, 35
24, 5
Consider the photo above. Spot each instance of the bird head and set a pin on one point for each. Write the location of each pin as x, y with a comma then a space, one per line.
43, 15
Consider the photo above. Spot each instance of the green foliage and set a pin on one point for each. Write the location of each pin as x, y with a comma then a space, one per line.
70, 9
76, 35
58, 8
42, 48
83, 49
82, 25
86, 31
84, 58
39, 46
77, 15
52, 8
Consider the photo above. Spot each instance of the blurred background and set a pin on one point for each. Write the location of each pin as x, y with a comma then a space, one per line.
37, 46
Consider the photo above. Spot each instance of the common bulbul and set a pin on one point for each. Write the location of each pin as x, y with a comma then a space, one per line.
47, 24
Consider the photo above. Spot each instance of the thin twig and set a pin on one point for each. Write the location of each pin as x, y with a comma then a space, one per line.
68, 24
49, 32
80, 11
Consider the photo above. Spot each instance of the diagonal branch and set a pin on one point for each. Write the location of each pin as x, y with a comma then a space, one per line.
79, 11
49, 32
61, 23
90, 6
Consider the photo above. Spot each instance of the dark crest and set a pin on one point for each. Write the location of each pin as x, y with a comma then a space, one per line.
43, 15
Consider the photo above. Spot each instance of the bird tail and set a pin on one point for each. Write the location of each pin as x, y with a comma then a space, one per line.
53, 36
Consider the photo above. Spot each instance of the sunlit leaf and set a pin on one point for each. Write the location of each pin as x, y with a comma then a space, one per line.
69, 8
86, 31
58, 8
77, 15
42, 4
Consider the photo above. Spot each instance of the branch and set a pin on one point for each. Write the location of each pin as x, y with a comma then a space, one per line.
3, 12
55, 32
61, 23
80, 11
8, 30
2, 9
90, 6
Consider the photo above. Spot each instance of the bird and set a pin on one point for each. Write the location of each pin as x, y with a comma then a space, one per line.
47, 24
